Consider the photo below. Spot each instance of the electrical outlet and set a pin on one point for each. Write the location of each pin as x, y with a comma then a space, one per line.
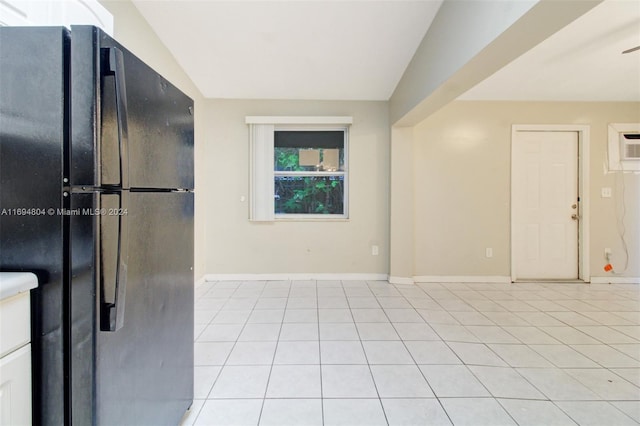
375, 250
488, 252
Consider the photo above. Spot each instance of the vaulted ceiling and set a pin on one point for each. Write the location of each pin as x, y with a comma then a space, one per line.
292, 49
358, 50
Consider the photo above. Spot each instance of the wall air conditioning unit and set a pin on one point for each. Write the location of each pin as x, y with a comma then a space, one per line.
624, 147
630, 146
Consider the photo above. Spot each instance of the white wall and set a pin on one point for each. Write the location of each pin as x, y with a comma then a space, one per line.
449, 203
133, 32
462, 186
401, 239
234, 245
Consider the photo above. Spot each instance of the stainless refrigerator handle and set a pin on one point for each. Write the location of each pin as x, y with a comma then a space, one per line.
116, 66
112, 314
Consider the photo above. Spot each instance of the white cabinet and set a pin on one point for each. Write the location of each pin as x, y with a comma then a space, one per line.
15, 387
15, 323
15, 348
54, 13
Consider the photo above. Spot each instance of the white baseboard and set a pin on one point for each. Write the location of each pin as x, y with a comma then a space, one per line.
296, 277
401, 280
200, 281
391, 279
615, 280
462, 279
359, 277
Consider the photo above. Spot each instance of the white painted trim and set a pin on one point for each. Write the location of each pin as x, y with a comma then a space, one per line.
514, 130
295, 276
614, 162
283, 217
462, 279
615, 280
584, 144
258, 119
360, 277
401, 280
261, 170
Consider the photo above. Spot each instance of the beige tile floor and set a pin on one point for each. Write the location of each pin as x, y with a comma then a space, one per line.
372, 353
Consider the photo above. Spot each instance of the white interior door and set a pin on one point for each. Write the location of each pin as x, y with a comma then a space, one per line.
545, 205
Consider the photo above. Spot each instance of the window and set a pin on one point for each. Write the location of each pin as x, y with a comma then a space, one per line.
309, 175
299, 167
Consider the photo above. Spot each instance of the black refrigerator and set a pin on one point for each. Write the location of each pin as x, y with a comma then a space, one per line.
96, 196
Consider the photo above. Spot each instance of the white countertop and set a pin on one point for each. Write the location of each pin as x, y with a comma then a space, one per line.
12, 283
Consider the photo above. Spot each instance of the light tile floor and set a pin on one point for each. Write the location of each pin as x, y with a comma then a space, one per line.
372, 353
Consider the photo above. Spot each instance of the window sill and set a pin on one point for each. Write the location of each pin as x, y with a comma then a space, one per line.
310, 218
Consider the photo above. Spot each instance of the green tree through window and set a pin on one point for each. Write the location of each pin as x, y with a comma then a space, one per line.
309, 188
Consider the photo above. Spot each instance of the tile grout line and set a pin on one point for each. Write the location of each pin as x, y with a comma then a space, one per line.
224, 364
320, 354
194, 341
222, 367
455, 294
418, 365
275, 352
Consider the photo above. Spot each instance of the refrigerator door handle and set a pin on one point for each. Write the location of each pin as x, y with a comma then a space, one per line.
116, 67
112, 308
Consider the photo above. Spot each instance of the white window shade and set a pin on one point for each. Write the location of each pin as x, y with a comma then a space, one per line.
261, 148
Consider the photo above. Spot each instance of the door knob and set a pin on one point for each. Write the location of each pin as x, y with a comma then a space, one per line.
574, 206
575, 217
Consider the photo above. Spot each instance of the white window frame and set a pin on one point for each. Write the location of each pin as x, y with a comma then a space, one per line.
616, 161
262, 173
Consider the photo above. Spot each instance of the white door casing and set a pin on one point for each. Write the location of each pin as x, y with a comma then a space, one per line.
547, 243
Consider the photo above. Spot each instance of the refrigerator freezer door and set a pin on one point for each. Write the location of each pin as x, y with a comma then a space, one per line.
158, 119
